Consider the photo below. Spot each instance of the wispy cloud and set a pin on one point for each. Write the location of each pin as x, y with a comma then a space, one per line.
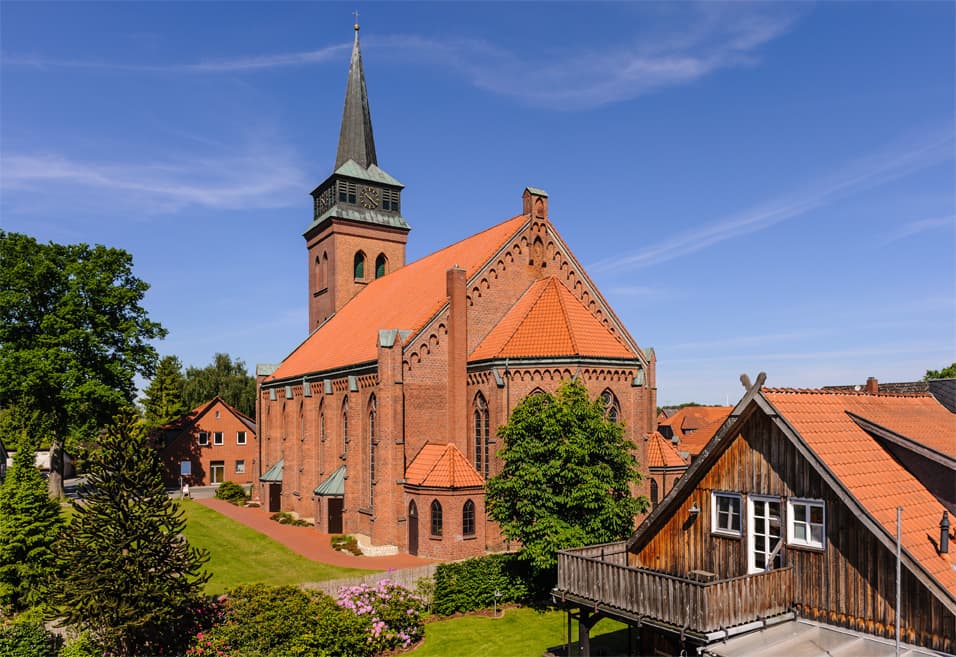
921, 226
711, 37
256, 178
224, 65
700, 39
871, 171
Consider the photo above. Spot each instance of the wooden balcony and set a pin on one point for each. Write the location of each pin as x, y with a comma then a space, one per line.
684, 604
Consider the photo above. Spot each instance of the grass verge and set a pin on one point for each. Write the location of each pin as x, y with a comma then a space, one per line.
519, 632
240, 555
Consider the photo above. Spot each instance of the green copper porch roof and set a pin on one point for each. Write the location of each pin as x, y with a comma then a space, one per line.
274, 474
334, 486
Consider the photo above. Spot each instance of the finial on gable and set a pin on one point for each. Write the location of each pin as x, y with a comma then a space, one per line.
534, 202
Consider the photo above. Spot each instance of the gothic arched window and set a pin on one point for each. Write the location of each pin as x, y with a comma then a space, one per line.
655, 494
468, 519
612, 410
436, 518
482, 426
380, 263
358, 265
372, 409
345, 426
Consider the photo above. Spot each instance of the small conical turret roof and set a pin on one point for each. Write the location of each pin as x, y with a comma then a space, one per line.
355, 137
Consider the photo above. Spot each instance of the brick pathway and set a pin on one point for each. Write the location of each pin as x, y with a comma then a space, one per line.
308, 542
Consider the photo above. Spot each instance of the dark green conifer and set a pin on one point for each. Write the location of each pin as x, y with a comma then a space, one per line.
29, 523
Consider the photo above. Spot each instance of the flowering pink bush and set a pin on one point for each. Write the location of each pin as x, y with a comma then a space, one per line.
393, 613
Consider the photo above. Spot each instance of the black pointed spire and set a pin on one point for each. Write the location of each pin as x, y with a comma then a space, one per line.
355, 137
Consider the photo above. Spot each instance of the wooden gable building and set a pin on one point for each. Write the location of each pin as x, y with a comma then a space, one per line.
382, 422
787, 518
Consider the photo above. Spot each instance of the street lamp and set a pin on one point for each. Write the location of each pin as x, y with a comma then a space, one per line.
497, 595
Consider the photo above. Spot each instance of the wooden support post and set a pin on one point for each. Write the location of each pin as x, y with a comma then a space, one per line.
568, 653
584, 633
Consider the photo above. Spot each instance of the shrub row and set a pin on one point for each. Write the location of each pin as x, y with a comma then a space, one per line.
286, 518
286, 621
471, 584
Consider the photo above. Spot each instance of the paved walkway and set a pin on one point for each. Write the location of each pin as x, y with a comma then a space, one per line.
308, 542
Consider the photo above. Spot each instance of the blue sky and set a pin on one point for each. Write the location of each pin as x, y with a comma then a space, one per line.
752, 186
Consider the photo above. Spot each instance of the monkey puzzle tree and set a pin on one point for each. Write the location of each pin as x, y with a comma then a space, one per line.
127, 573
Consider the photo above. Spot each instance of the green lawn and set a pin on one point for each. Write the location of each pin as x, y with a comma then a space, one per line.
520, 632
240, 555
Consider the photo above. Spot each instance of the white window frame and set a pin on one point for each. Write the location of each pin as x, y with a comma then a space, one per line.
240, 437
752, 501
792, 521
217, 438
203, 438
240, 466
720, 531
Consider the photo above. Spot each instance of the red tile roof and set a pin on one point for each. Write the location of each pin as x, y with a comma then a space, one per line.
405, 299
442, 466
867, 471
188, 419
694, 442
549, 321
662, 453
693, 418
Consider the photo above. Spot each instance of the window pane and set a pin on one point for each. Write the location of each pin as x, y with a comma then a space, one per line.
800, 532
799, 512
816, 514
817, 534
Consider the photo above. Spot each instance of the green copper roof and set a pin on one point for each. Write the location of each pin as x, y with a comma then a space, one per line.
353, 169
334, 486
274, 474
536, 191
361, 215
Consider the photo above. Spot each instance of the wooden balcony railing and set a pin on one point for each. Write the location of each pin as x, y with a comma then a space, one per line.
684, 603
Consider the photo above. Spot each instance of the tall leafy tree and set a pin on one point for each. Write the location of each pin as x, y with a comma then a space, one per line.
73, 334
29, 519
567, 476
224, 377
945, 373
164, 396
129, 576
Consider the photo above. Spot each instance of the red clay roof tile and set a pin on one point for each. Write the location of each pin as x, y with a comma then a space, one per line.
549, 321
867, 471
662, 453
405, 299
442, 466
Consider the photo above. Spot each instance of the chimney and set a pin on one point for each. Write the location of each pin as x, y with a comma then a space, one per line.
944, 533
457, 356
872, 385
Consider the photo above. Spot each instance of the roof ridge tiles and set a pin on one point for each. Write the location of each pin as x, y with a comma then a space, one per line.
841, 393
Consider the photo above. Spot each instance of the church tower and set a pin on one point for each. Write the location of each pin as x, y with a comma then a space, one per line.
357, 233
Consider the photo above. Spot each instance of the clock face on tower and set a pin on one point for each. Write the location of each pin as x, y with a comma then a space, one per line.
369, 198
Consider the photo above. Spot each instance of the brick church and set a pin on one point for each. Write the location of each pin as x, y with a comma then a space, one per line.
382, 422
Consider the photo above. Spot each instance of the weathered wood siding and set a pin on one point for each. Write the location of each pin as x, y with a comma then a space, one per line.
851, 583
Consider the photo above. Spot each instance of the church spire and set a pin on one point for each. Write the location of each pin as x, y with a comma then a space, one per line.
355, 137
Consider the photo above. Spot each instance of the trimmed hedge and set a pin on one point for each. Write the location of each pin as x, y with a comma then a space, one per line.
471, 584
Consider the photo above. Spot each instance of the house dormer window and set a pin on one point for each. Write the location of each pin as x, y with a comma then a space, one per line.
806, 526
725, 513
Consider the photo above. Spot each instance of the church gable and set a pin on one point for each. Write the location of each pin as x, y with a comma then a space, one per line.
549, 321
